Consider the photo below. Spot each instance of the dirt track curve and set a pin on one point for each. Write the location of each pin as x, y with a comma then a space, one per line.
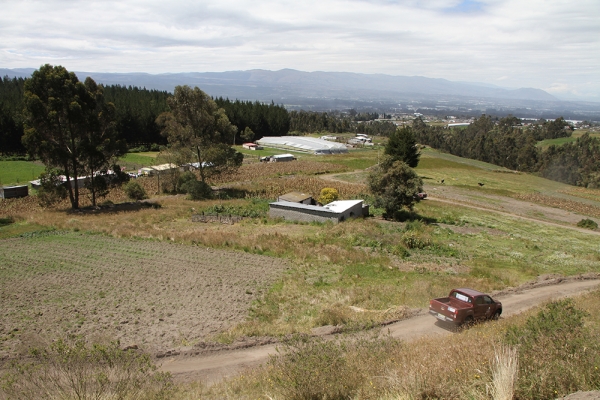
211, 368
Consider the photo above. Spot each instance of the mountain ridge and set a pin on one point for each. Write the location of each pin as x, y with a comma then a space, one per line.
301, 83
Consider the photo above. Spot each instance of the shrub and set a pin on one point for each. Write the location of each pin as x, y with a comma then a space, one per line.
198, 190
414, 240
334, 315
184, 180
135, 191
328, 195
401, 251
588, 224
52, 189
75, 370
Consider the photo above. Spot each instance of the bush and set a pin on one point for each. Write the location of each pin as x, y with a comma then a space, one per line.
74, 370
184, 180
414, 240
588, 224
328, 195
198, 190
135, 191
52, 189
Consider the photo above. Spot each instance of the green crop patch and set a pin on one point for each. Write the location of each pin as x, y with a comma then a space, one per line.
19, 172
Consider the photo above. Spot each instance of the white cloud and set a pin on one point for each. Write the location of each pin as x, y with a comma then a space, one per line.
521, 44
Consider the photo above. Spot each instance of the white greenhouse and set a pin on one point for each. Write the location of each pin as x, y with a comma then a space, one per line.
303, 143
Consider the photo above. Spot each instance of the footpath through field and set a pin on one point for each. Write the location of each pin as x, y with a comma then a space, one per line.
212, 368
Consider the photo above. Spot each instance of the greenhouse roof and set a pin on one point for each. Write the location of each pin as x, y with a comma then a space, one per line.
303, 143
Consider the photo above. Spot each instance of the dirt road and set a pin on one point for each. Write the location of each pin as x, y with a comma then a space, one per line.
214, 367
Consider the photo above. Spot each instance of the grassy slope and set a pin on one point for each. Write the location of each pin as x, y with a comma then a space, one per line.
19, 172
366, 263
544, 144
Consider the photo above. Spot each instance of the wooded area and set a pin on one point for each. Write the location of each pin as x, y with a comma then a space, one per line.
512, 146
136, 112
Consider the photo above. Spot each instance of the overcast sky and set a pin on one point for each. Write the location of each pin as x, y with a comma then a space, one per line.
547, 44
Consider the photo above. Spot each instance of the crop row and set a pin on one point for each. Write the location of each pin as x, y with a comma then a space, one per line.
250, 172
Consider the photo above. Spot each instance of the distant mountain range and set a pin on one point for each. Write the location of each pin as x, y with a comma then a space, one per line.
323, 90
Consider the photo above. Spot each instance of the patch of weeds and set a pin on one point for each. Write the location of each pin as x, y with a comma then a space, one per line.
79, 370
557, 338
321, 282
337, 314
415, 240
6, 221
255, 208
484, 273
588, 224
364, 241
50, 231
443, 250
400, 251
407, 215
414, 225
449, 218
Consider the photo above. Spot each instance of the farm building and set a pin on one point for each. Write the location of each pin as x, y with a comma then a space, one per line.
278, 158
9, 192
459, 124
156, 169
303, 143
336, 211
297, 197
36, 184
252, 146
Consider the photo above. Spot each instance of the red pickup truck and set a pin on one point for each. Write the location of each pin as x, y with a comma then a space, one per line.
465, 306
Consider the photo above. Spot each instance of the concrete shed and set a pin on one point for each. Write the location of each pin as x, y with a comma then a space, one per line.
338, 212
8, 192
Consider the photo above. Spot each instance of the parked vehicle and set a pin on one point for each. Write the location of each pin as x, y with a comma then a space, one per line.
465, 306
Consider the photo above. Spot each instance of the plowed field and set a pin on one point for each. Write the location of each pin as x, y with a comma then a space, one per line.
156, 295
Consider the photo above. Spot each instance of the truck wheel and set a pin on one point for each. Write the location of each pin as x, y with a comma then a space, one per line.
496, 315
468, 322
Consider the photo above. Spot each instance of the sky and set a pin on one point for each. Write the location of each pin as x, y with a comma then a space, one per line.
552, 45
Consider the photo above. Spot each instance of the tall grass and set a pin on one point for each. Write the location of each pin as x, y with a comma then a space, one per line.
76, 370
505, 370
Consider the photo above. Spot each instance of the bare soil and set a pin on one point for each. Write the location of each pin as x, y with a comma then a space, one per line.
159, 296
